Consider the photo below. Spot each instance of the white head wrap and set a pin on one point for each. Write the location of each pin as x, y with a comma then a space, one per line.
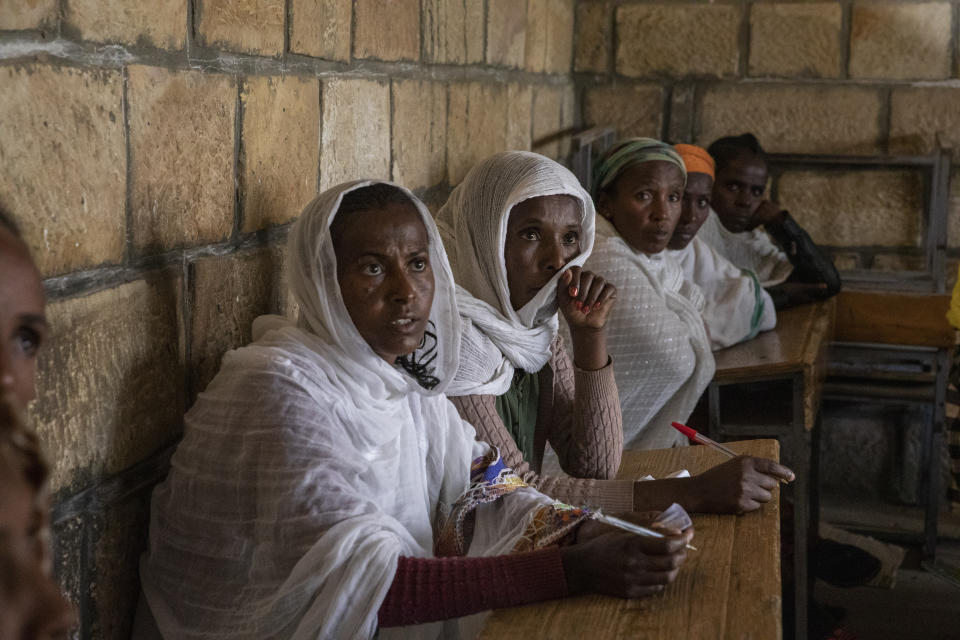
309, 466
496, 339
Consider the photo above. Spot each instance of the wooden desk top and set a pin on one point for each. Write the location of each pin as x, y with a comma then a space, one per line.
792, 346
729, 588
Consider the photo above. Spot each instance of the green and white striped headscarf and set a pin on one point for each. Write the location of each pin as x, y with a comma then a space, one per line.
628, 152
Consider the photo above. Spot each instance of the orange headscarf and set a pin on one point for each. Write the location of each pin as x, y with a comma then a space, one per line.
696, 159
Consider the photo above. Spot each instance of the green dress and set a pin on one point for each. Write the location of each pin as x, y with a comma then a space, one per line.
518, 410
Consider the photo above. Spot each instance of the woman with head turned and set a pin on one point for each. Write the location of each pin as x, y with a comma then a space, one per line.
736, 307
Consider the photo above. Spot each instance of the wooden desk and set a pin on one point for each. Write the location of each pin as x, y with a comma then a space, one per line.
771, 387
729, 588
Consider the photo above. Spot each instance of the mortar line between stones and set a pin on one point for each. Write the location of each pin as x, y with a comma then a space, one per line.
191, 28
666, 109
743, 46
954, 25
391, 115
237, 142
287, 27
846, 21
128, 174
884, 117
319, 132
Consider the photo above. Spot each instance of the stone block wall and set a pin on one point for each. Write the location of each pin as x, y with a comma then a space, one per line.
842, 77
155, 153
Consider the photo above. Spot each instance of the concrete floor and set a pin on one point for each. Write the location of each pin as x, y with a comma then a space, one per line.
922, 605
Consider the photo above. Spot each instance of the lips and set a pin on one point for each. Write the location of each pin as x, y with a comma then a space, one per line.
405, 324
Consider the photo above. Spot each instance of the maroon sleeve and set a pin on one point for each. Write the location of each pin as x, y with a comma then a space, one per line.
429, 589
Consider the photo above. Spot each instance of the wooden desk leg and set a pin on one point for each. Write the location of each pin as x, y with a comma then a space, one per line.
801, 457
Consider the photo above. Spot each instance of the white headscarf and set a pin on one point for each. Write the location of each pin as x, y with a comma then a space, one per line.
309, 466
496, 339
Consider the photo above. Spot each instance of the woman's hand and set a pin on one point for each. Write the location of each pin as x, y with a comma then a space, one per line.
585, 300
766, 214
738, 485
621, 564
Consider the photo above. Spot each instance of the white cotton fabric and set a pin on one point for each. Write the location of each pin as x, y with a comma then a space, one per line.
495, 338
309, 466
754, 250
661, 355
732, 298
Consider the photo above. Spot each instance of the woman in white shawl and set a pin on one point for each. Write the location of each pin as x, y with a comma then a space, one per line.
323, 468
664, 361
736, 306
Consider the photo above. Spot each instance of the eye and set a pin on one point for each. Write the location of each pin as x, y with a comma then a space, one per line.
571, 237
702, 203
27, 341
733, 186
642, 196
675, 197
372, 269
419, 264
756, 191
530, 234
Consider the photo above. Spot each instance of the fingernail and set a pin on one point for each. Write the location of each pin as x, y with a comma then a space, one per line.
586, 308
573, 292
579, 305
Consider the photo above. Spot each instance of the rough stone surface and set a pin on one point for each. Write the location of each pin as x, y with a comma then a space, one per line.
506, 32
677, 39
519, 116
846, 261
549, 37
795, 119
387, 29
592, 50
64, 163
682, 113
796, 40
856, 208
476, 125
247, 26
898, 262
110, 385
122, 538
547, 108
918, 117
635, 110
355, 135
181, 150
69, 549
900, 40
227, 293
321, 28
568, 120
158, 24
953, 216
419, 133
452, 31
280, 148
28, 14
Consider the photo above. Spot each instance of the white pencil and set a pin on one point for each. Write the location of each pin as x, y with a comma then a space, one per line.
633, 528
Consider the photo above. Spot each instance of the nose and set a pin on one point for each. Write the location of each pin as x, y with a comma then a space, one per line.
686, 213
401, 287
744, 198
660, 209
6, 369
553, 256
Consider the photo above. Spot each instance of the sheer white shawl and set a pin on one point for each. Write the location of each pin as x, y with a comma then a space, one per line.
661, 355
753, 250
308, 466
736, 307
495, 338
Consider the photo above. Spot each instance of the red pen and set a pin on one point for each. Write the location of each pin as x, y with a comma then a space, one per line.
699, 438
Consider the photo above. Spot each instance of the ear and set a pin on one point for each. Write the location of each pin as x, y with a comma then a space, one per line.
603, 205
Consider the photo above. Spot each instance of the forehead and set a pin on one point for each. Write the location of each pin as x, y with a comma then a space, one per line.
746, 168
649, 173
560, 208
374, 230
698, 183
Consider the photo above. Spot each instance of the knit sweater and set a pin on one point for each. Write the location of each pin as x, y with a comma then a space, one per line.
431, 589
579, 415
